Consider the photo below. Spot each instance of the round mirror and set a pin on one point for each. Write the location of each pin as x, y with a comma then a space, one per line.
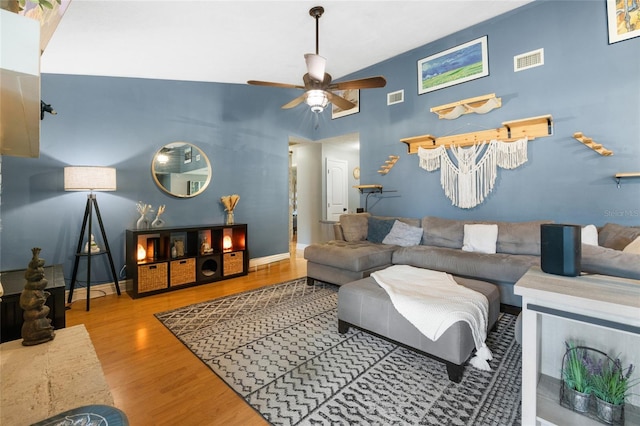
181, 169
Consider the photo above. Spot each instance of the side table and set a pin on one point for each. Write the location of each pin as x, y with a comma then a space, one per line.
13, 282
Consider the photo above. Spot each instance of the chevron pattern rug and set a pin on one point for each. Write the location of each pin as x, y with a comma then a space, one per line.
279, 348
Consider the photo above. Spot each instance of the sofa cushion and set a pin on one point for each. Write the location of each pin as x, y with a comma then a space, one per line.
499, 267
353, 256
403, 235
354, 226
442, 232
513, 237
378, 229
607, 261
616, 236
520, 237
480, 238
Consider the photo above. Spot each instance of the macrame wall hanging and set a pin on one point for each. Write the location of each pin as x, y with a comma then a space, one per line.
469, 180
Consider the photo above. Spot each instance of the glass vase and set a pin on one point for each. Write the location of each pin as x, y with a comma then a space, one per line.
230, 219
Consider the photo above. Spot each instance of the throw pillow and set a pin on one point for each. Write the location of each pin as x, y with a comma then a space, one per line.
378, 229
403, 235
589, 235
354, 226
480, 238
633, 247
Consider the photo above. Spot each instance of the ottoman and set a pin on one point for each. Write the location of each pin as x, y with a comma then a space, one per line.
365, 305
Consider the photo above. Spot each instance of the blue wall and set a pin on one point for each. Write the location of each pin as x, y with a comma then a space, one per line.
586, 85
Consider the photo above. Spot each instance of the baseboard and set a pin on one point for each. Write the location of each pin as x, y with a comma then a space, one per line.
110, 288
98, 290
259, 261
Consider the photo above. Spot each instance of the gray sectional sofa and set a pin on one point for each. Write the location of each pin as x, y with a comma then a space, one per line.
487, 257
358, 250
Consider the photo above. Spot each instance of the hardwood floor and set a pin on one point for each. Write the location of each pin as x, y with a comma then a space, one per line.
153, 377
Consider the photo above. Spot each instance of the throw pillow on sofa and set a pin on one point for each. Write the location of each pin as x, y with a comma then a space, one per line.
589, 235
354, 226
378, 229
480, 238
633, 247
403, 235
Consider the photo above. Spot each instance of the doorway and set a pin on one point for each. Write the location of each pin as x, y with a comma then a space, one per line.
307, 193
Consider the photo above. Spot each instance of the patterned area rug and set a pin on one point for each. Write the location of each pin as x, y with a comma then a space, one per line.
279, 348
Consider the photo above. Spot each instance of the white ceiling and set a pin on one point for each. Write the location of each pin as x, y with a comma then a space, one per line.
236, 41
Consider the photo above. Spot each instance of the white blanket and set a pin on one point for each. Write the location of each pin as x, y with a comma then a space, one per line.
433, 301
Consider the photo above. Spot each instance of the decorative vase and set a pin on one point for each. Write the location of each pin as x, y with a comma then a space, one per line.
607, 412
142, 223
230, 219
157, 223
578, 401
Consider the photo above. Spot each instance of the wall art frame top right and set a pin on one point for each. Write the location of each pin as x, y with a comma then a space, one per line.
623, 19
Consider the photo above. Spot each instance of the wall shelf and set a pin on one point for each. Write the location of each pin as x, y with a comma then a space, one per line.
593, 145
479, 105
619, 176
368, 188
388, 164
531, 128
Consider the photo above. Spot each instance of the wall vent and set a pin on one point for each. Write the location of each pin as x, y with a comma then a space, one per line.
528, 60
395, 97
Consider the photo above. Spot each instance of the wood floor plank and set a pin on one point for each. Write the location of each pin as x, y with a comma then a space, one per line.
154, 378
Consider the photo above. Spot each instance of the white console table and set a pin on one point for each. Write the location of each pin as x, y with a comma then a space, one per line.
587, 303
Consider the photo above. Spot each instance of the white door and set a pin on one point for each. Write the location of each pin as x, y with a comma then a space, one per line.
337, 188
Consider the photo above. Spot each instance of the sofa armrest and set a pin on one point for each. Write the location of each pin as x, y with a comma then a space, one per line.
337, 232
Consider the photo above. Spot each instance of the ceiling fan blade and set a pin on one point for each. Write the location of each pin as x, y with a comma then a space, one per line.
271, 84
297, 101
316, 65
339, 101
363, 83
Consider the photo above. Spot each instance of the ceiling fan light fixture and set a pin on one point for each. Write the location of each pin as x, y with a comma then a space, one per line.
317, 100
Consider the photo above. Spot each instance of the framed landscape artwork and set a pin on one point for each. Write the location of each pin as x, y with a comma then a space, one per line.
457, 65
623, 19
352, 95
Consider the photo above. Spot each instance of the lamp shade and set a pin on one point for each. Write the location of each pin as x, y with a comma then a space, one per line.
89, 178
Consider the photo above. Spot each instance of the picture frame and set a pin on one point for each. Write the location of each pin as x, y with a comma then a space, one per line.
352, 95
621, 20
187, 155
459, 64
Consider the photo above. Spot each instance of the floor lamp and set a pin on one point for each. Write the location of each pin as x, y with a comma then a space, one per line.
90, 178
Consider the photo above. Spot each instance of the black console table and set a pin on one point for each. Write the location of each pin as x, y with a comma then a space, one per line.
10, 311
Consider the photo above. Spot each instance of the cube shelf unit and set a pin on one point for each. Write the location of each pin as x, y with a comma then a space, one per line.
165, 259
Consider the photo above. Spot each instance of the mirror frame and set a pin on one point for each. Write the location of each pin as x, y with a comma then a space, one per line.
195, 151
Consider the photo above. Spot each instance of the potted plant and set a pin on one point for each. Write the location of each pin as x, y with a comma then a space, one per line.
576, 377
610, 386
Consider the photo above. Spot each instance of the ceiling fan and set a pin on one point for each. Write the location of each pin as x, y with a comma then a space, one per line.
317, 83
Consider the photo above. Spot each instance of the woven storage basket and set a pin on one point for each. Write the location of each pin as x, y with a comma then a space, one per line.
152, 277
182, 271
232, 263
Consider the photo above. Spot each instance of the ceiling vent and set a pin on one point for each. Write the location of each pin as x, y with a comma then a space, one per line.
395, 97
528, 60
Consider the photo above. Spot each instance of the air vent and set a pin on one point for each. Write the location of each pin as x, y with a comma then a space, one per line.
528, 60
395, 97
